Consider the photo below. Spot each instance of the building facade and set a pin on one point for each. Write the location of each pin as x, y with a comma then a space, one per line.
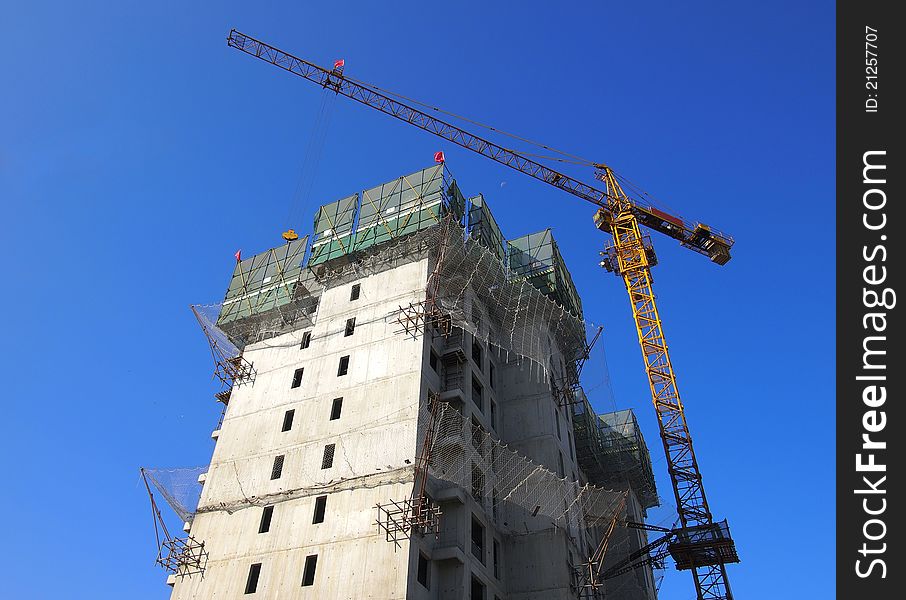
349, 351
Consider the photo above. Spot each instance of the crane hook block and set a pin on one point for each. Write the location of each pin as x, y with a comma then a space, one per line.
290, 235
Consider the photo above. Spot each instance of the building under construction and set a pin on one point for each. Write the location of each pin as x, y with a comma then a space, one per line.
403, 418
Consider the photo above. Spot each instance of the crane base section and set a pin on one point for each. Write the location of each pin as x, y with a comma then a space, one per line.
703, 545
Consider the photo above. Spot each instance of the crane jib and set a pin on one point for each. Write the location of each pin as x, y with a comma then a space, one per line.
698, 238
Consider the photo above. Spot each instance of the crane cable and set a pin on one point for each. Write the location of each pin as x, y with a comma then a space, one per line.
571, 158
641, 194
301, 199
311, 159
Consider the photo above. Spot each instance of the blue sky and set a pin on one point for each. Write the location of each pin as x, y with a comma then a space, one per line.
138, 152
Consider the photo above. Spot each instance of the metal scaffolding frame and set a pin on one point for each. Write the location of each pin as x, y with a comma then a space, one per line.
418, 514
180, 556
610, 449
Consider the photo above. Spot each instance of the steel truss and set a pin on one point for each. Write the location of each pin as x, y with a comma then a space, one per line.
692, 506
400, 520
418, 317
235, 371
183, 556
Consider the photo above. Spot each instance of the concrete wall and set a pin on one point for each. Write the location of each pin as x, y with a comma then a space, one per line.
374, 438
534, 426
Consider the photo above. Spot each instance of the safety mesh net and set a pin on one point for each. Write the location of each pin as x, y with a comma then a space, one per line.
221, 344
476, 290
179, 487
467, 456
461, 455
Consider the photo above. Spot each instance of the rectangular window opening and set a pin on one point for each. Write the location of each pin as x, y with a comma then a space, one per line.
288, 419
476, 353
477, 589
493, 415
320, 508
496, 551
350, 327
491, 374
477, 482
297, 377
266, 516
477, 539
344, 366
355, 292
432, 361
424, 571
336, 408
557, 418
572, 447
306, 340
277, 470
477, 394
327, 460
251, 584
308, 574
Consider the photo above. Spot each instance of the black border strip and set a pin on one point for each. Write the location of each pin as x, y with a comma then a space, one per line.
870, 219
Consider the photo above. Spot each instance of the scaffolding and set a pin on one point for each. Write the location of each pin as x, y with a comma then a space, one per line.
400, 520
182, 556
229, 365
346, 228
482, 227
405, 205
610, 450
513, 312
471, 459
536, 258
332, 235
263, 282
418, 514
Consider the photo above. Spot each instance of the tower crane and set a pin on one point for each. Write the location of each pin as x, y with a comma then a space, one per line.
700, 544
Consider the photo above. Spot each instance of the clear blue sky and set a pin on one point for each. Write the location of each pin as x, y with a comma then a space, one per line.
138, 152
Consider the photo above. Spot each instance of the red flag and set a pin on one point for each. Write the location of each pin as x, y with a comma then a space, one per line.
338, 64
238, 255
438, 157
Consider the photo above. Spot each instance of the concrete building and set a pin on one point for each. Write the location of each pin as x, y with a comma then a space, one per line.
409, 295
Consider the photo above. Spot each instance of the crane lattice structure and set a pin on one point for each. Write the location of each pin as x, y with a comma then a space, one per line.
706, 545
